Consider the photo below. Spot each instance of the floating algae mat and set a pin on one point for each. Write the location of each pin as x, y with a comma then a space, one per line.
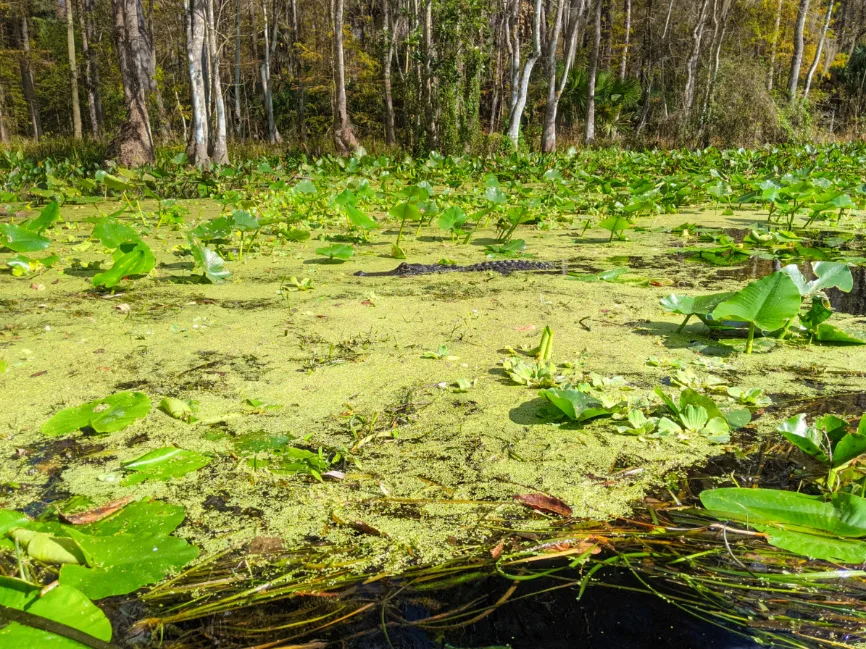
245, 383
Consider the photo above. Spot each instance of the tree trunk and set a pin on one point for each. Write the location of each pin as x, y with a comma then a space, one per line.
344, 135
623, 64
195, 21
830, 5
774, 48
4, 135
220, 153
28, 87
274, 136
391, 36
73, 71
554, 90
236, 91
427, 79
589, 134
133, 146
797, 59
523, 83
694, 59
91, 74
548, 134
720, 20
299, 75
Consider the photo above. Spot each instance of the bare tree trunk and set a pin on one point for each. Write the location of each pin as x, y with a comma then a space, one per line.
797, 59
164, 121
694, 59
73, 71
274, 136
182, 117
299, 75
133, 146
830, 5
220, 153
623, 64
721, 13
28, 87
91, 75
4, 135
548, 134
589, 133
195, 29
774, 48
391, 36
554, 90
523, 84
236, 91
344, 135
427, 80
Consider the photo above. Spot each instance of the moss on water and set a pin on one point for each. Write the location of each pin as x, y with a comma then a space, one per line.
440, 477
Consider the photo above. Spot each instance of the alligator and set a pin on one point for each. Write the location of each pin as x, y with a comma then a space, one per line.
505, 267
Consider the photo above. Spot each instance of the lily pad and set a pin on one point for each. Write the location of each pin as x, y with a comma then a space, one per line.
164, 464
576, 405
107, 415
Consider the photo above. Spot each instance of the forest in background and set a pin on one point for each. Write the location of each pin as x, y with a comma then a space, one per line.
453, 76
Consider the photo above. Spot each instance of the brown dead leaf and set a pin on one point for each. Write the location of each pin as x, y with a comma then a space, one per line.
94, 515
496, 551
525, 328
38, 287
123, 307
546, 504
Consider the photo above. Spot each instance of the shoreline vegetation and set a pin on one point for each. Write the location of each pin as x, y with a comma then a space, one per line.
214, 428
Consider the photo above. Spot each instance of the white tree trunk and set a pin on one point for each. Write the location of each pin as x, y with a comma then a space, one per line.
220, 153
73, 71
589, 133
797, 59
817, 60
694, 59
195, 29
774, 48
523, 84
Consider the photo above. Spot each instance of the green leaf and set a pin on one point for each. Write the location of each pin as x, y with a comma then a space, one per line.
843, 515
337, 251
62, 604
209, 261
20, 239
452, 219
164, 464
615, 224
47, 216
138, 261
295, 235
817, 546
807, 438
359, 219
47, 548
700, 305
107, 415
848, 448
406, 211
112, 233
769, 303
828, 274
827, 333
243, 221
123, 563
577, 406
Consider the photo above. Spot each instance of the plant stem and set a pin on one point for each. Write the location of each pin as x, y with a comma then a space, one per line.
751, 338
